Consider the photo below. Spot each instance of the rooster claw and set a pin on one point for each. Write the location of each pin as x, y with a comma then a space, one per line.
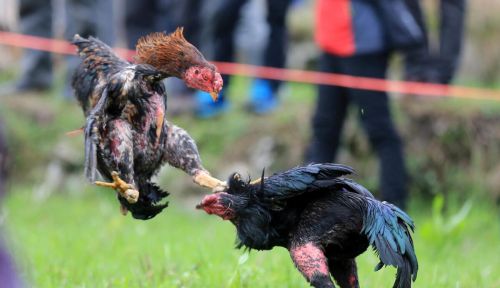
125, 190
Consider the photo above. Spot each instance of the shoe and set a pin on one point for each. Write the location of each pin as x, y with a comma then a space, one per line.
207, 108
262, 98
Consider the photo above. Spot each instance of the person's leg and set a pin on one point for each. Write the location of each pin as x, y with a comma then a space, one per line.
376, 119
452, 15
190, 11
140, 18
225, 19
328, 119
36, 66
263, 91
417, 59
276, 48
167, 16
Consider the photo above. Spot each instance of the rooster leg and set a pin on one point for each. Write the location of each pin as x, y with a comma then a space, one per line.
126, 190
181, 152
312, 263
118, 151
204, 179
344, 272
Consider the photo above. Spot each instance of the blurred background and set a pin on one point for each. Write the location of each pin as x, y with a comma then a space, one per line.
436, 156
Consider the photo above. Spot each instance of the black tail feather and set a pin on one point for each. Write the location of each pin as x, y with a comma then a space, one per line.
388, 230
404, 276
150, 202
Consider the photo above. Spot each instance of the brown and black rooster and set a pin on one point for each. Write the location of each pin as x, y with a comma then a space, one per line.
322, 218
127, 136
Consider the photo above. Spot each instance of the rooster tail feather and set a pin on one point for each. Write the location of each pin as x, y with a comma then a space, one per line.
90, 151
388, 230
92, 137
92, 47
403, 276
151, 201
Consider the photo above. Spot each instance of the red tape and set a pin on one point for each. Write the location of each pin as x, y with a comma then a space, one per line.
311, 77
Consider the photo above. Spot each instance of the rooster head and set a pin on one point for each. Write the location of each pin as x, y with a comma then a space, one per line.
173, 55
218, 204
231, 203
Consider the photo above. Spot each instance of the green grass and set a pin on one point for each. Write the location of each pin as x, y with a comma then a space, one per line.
83, 241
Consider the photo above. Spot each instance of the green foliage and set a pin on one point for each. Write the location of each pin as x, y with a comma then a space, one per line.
441, 227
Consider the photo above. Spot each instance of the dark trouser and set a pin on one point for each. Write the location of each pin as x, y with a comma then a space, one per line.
85, 17
442, 65
36, 66
226, 18
452, 15
146, 16
373, 106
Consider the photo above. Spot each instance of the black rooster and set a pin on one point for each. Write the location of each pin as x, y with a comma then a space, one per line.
323, 219
127, 135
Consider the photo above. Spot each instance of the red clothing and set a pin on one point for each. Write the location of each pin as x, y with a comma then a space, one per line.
334, 31
356, 27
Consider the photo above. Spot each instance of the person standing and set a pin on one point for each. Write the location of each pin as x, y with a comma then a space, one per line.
85, 17
356, 38
423, 63
263, 92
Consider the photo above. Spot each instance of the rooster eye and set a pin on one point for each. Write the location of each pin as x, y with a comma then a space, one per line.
196, 71
205, 77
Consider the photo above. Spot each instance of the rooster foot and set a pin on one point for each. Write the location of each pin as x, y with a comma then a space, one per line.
204, 179
125, 190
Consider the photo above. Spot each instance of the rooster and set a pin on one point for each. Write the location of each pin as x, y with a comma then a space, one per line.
322, 218
127, 136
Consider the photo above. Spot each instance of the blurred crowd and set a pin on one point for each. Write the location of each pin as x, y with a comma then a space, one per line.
355, 37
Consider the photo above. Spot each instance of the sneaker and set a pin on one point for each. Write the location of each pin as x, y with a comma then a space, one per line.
262, 98
207, 108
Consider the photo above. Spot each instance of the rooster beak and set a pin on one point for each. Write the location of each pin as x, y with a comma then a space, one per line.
214, 95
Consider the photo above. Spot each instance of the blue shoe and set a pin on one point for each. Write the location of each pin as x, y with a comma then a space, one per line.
207, 108
262, 98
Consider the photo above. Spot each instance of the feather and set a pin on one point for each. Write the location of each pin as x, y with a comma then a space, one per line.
92, 138
387, 228
299, 180
171, 53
